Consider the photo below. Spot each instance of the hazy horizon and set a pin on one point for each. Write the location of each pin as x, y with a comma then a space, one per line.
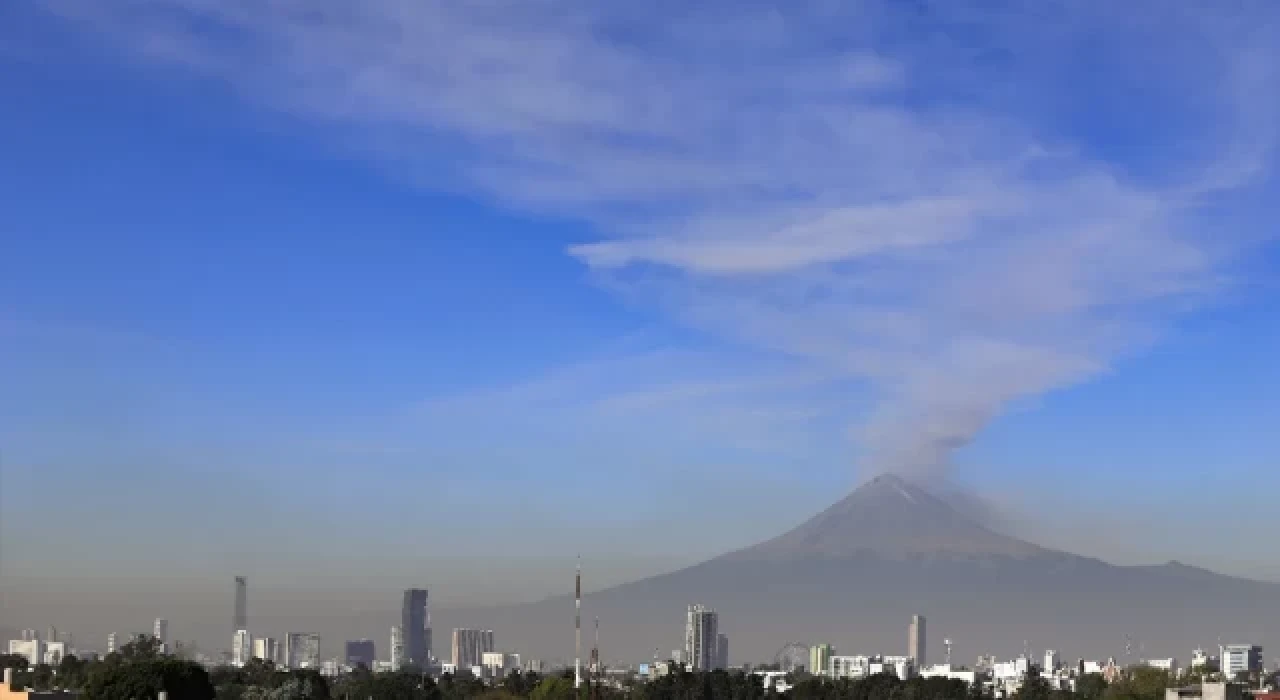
355, 297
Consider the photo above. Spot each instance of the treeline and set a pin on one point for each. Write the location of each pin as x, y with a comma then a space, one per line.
138, 672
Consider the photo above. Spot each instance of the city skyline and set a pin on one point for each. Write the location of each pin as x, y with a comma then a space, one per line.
981, 295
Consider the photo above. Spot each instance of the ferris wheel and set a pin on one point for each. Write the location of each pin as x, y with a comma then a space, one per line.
792, 656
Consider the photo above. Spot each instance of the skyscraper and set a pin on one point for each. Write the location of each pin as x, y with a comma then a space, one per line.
701, 642
241, 614
397, 648
469, 647
413, 623
360, 651
111, 643
722, 650
241, 648
302, 650
820, 659
267, 649
161, 630
916, 641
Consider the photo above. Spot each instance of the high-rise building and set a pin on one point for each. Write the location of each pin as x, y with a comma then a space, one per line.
820, 659
413, 623
54, 651
701, 644
51, 635
267, 649
1051, 661
241, 648
241, 621
722, 649
30, 636
469, 647
302, 651
1240, 658
111, 643
916, 641
397, 648
360, 651
161, 630
30, 649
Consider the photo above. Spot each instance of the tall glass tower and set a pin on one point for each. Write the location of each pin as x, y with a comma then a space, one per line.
413, 625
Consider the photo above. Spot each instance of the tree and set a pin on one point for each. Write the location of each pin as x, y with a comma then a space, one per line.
72, 672
14, 661
41, 677
1091, 686
554, 688
297, 687
118, 679
143, 647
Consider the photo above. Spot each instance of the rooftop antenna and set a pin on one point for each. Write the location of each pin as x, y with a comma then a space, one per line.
577, 626
595, 663
595, 650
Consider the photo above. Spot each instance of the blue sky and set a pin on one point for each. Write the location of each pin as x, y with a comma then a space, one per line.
352, 274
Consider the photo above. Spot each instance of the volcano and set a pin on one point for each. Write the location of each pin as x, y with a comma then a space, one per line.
854, 574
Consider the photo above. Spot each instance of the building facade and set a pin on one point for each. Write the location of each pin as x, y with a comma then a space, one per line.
820, 659
1240, 658
469, 647
241, 648
722, 649
302, 651
498, 664
54, 652
701, 643
397, 648
849, 667
267, 649
916, 641
29, 649
413, 624
360, 651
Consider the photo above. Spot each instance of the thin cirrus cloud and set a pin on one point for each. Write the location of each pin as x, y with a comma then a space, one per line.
954, 208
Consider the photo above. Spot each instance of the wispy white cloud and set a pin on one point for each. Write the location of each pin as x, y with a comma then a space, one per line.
939, 203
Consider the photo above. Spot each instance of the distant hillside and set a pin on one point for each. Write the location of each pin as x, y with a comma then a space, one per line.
855, 573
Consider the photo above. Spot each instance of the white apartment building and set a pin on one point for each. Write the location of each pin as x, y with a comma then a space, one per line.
852, 667
1051, 661
397, 648
498, 664
241, 648
1170, 665
1240, 658
30, 649
54, 652
267, 649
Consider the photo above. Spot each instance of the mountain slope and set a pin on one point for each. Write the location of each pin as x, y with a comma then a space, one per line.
892, 517
855, 573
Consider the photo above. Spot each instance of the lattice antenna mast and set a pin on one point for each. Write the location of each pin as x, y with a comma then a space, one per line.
577, 626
